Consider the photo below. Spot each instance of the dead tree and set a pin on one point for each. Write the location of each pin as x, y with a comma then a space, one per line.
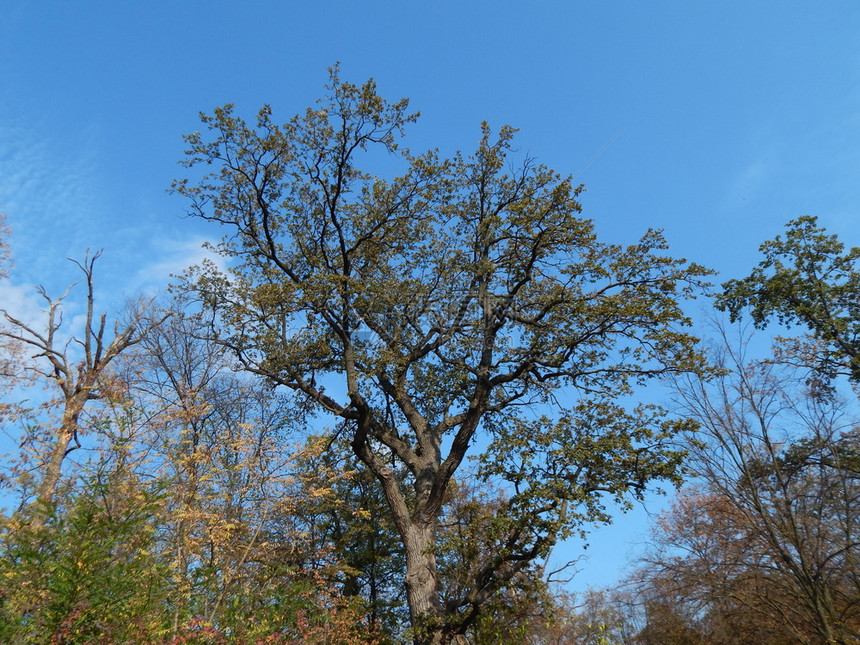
75, 367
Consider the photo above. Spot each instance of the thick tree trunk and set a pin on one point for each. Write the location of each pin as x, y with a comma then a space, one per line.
421, 583
422, 589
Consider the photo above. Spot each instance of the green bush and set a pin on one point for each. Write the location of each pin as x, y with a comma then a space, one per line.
87, 572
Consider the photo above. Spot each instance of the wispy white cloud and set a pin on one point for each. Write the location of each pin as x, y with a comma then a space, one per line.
172, 258
33, 179
54, 205
49, 192
23, 303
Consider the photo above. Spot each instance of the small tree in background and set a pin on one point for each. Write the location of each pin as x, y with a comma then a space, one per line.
767, 549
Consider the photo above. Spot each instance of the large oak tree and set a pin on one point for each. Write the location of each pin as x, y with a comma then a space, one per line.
462, 304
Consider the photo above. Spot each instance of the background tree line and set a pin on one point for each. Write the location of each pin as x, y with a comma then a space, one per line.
376, 422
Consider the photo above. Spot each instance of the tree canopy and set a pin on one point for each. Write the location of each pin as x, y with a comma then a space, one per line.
461, 304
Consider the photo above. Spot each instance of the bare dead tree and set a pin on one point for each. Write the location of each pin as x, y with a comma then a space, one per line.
75, 367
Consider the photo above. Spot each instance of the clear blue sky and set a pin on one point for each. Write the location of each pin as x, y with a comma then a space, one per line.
736, 116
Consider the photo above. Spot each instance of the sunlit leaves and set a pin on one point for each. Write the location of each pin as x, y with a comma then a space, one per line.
808, 278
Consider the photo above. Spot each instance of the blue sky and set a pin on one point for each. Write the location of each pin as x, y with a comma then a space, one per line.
734, 117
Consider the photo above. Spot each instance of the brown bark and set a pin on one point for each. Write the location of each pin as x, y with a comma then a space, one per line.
64, 435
